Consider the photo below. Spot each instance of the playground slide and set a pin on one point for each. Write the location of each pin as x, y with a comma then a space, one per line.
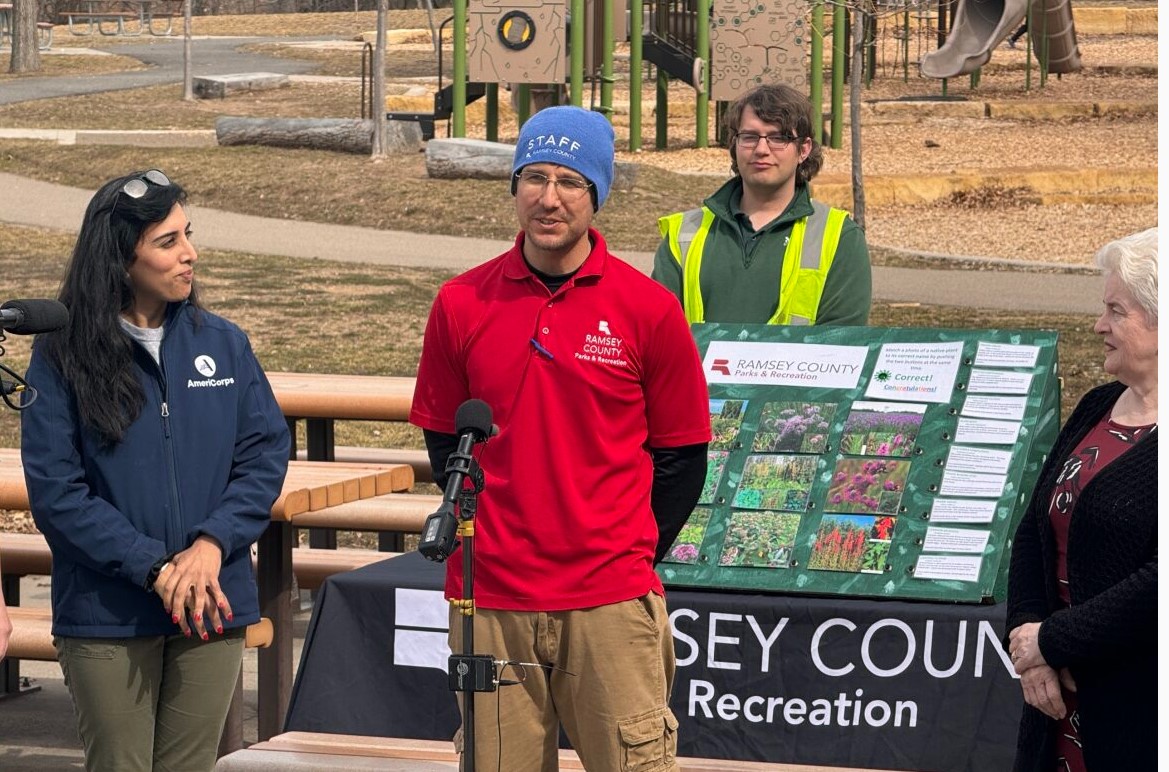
980, 25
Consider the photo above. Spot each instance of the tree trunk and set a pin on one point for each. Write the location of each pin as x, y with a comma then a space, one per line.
26, 57
347, 135
188, 78
379, 85
855, 81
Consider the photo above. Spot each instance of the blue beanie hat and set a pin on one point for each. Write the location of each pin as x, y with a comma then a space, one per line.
569, 136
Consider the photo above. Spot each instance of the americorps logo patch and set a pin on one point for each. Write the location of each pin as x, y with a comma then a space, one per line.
205, 365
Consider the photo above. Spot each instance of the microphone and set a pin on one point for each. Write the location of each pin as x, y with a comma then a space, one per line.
473, 425
29, 317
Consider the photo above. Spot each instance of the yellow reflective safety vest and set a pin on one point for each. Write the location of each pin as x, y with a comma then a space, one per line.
811, 248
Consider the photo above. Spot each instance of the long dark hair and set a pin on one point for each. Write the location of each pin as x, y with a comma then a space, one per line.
93, 352
782, 106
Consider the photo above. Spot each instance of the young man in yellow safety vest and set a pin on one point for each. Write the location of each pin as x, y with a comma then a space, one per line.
760, 250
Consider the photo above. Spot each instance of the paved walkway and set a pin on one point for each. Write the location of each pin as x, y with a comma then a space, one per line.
164, 56
42, 204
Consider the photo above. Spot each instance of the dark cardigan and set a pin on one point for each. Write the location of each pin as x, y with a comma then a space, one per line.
1108, 636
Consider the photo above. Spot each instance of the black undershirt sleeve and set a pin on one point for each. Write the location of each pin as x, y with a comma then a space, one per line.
439, 447
679, 474
678, 477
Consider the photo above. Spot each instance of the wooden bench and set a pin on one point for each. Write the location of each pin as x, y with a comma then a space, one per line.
416, 459
32, 636
27, 554
395, 512
318, 752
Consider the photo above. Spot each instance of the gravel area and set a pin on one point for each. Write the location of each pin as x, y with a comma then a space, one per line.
1117, 68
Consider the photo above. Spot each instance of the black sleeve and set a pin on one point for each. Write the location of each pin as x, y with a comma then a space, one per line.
439, 446
679, 474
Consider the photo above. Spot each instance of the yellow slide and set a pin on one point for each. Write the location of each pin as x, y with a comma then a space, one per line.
981, 25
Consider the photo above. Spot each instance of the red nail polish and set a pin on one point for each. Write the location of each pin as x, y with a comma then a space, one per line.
204, 636
174, 618
188, 633
229, 617
219, 629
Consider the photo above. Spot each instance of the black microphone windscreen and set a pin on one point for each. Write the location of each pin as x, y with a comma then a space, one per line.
474, 415
39, 316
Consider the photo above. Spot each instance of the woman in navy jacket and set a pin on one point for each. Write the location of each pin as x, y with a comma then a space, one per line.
153, 454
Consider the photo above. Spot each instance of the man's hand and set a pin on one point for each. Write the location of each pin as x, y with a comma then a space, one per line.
189, 585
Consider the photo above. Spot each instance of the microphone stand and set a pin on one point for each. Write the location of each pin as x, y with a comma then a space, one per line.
468, 502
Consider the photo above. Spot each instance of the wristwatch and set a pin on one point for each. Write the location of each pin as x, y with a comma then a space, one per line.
156, 569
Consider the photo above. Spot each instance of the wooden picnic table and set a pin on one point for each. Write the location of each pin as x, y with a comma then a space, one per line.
320, 399
308, 486
110, 17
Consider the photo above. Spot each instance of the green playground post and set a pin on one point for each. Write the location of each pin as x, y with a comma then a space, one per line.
702, 51
635, 75
662, 122
576, 51
838, 26
523, 98
459, 73
816, 79
492, 119
607, 44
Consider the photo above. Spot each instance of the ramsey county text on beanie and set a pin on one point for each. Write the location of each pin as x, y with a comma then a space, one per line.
569, 136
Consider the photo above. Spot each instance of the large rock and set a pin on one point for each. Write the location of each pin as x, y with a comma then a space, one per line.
219, 86
459, 158
346, 135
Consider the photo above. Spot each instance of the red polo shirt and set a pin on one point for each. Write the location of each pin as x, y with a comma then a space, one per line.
581, 383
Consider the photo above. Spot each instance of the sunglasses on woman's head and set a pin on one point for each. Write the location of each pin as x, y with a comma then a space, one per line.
137, 187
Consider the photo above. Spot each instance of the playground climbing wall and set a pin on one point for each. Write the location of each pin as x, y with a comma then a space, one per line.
757, 42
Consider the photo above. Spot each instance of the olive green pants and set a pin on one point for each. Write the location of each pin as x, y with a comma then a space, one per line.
606, 678
154, 704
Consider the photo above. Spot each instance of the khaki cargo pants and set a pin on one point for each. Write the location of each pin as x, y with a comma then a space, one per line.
607, 681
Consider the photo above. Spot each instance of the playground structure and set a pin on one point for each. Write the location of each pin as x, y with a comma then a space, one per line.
981, 25
718, 48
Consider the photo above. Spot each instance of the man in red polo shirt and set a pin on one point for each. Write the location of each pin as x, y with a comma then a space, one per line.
595, 383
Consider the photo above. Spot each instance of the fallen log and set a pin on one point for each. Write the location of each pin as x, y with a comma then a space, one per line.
345, 135
459, 158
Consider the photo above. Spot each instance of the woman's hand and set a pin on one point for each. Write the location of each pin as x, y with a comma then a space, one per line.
189, 585
1025, 653
1041, 690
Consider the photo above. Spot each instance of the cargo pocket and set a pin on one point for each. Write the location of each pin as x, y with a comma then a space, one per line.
649, 741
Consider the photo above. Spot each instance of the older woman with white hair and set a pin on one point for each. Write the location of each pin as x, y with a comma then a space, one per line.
1082, 594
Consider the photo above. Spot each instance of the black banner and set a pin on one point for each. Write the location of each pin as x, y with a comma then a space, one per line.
855, 683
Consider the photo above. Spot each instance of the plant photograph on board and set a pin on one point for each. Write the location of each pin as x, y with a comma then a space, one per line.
763, 539
794, 427
869, 485
726, 418
881, 429
685, 547
716, 462
843, 544
776, 482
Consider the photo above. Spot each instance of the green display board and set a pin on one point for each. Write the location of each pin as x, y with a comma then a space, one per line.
867, 461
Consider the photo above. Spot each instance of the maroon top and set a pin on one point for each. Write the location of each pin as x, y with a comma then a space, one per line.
1100, 447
